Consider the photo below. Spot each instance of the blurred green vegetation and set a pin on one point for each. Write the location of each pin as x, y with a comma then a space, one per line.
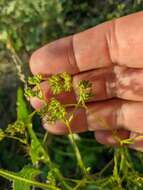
30, 24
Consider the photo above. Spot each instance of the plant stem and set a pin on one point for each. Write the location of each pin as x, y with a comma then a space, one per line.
45, 138
116, 171
16, 138
131, 140
77, 152
33, 136
81, 183
105, 168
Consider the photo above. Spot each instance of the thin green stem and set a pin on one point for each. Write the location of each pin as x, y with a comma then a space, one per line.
131, 140
73, 141
81, 183
77, 152
16, 138
32, 115
73, 112
33, 136
104, 169
45, 138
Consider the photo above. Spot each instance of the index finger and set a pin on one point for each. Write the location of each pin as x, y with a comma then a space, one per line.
119, 41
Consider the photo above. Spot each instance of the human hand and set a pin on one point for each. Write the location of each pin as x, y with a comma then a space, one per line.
110, 56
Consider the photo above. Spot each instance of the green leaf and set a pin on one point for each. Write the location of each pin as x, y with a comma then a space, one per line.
37, 151
22, 111
28, 173
18, 177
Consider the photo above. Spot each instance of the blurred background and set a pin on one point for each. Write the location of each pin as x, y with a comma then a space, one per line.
29, 24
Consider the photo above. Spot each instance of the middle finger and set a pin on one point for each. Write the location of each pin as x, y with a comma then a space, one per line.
120, 82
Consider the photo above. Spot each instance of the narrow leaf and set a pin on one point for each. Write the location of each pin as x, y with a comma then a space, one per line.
28, 173
12, 176
37, 152
22, 111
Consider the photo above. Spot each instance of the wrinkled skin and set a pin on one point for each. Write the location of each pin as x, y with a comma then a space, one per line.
109, 55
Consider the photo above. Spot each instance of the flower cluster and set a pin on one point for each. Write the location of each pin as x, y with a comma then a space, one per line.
85, 91
53, 112
2, 134
60, 83
34, 82
17, 128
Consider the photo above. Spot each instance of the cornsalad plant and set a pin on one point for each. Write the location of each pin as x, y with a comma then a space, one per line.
41, 171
